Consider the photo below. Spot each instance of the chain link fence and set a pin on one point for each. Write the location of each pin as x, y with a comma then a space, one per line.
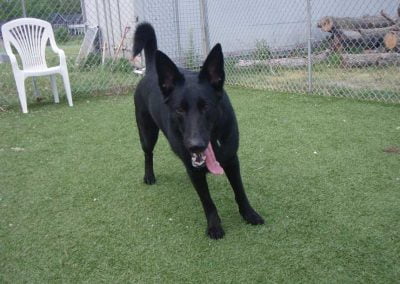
334, 48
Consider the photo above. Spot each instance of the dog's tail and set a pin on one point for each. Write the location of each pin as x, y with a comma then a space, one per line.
145, 38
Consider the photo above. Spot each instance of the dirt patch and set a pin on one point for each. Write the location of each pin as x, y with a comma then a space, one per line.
392, 150
3, 108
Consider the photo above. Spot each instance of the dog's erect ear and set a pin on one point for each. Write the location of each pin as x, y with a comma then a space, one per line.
168, 74
213, 68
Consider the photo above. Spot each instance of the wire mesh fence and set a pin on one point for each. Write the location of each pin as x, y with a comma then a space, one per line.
335, 48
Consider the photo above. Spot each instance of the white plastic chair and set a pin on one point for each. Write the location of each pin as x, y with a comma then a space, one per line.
29, 36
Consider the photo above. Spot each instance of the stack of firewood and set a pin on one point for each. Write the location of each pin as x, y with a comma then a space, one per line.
359, 42
374, 34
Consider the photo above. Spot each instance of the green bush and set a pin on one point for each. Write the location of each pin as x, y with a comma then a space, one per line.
93, 60
262, 50
61, 35
192, 58
334, 59
121, 65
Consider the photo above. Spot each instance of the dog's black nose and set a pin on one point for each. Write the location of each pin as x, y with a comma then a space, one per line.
196, 145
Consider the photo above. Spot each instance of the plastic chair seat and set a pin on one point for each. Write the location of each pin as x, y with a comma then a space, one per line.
31, 72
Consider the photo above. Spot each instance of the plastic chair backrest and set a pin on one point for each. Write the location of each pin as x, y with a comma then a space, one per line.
29, 36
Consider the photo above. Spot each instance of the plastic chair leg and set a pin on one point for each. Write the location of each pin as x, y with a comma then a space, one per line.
35, 88
54, 88
67, 86
20, 82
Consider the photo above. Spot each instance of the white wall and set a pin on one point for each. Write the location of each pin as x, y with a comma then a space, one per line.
236, 24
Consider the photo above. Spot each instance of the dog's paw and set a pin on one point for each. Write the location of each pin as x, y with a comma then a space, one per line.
215, 232
149, 179
252, 217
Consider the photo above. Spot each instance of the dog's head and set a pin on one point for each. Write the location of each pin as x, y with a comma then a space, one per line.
193, 98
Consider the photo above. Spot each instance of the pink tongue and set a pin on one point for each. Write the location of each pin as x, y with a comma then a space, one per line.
211, 162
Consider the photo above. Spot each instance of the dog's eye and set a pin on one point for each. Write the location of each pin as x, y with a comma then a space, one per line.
180, 110
202, 105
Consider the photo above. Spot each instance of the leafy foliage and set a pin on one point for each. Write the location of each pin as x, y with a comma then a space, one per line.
61, 35
94, 61
262, 50
192, 58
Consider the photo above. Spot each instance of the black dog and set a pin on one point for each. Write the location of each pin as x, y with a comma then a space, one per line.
194, 113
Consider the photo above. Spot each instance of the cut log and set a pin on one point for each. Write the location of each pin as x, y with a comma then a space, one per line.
288, 62
387, 17
389, 59
392, 40
327, 24
361, 38
379, 32
370, 59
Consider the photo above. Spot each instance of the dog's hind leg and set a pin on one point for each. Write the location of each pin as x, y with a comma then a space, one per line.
148, 132
232, 171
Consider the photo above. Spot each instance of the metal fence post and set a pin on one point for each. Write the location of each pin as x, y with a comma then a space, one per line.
178, 30
83, 10
310, 87
111, 27
107, 30
204, 27
23, 8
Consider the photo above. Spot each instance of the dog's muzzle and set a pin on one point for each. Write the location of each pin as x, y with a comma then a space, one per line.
198, 159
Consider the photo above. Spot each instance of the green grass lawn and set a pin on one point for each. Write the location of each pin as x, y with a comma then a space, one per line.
371, 83
74, 209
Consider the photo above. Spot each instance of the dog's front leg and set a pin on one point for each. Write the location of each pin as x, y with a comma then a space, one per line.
214, 229
232, 171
